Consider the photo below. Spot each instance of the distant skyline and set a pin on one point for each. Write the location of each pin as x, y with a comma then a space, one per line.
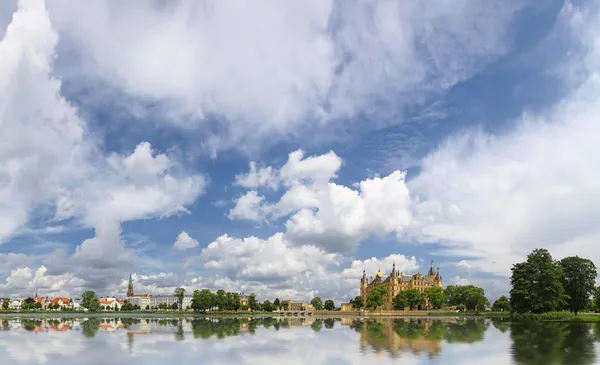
283, 148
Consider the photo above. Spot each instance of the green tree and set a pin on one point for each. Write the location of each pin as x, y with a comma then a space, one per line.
179, 294
5, 305
411, 298
276, 303
375, 297
536, 284
252, 303
596, 299
221, 299
175, 306
329, 305
267, 306
236, 304
579, 278
357, 302
437, 298
90, 301
501, 304
400, 303
201, 300
317, 303
460, 307
475, 300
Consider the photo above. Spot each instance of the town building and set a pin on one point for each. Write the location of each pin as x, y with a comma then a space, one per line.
290, 305
396, 281
141, 300
156, 300
110, 303
62, 302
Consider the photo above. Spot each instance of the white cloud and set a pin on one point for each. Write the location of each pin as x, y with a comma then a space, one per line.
273, 69
258, 177
255, 258
463, 265
329, 215
184, 242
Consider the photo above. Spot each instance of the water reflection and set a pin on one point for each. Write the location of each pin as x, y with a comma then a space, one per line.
296, 341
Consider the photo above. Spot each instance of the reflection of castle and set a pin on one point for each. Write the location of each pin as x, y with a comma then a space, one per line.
399, 336
397, 281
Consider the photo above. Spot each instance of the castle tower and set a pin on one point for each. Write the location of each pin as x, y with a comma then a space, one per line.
130, 287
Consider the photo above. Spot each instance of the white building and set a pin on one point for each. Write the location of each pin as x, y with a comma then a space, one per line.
142, 300
110, 303
169, 300
15, 304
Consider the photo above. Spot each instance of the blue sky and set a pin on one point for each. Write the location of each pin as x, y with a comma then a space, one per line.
379, 133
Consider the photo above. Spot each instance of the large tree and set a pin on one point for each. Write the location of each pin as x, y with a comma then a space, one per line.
276, 303
579, 278
501, 304
357, 302
375, 297
267, 306
536, 284
437, 298
329, 305
202, 300
179, 294
252, 303
411, 298
90, 301
317, 303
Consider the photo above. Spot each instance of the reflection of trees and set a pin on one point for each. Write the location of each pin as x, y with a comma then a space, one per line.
501, 324
203, 328
179, 336
90, 327
31, 324
466, 331
552, 343
5, 325
329, 323
317, 325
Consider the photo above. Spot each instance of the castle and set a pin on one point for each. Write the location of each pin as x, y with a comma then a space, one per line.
397, 281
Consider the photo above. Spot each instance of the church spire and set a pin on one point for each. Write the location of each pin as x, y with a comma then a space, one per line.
130, 287
431, 273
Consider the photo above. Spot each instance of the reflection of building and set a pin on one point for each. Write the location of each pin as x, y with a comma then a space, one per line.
383, 335
290, 305
296, 321
397, 281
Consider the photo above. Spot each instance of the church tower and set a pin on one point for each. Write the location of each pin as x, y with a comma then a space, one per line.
130, 287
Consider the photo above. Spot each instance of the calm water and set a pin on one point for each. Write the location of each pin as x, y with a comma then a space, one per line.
263, 341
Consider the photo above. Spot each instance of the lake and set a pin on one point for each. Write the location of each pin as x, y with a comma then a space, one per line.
290, 341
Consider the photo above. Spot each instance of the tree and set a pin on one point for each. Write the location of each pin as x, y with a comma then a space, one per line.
267, 306
201, 300
375, 297
329, 305
90, 301
536, 284
475, 300
276, 303
460, 307
579, 278
179, 294
252, 303
411, 298
147, 307
5, 305
357, 303
175, 306
317, 303
221, 299
501, 304
437, 298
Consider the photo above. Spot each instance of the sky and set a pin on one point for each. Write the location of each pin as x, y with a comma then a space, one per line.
281, 148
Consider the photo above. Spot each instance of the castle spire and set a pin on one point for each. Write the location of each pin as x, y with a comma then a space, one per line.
431, 273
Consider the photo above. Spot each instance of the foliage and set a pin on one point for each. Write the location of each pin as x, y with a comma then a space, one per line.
317, 303
579, 277
276, 303
469, 296
329, 305
411, 298
437, 298
267, 306
126, 307
501, 304
375, 298
357, 302
460, 307
201, 300
179, 294
90, 301
175, 306
536, 284
252, 303
5, 305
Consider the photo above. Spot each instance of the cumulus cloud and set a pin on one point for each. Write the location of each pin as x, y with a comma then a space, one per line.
315, 61
185, 242
329, 215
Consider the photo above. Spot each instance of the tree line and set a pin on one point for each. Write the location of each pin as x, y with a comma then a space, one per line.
463, 297
541, 284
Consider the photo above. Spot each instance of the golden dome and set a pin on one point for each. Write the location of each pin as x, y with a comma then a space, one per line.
379, 273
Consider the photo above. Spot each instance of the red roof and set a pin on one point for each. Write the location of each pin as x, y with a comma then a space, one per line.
106, 302
64, 300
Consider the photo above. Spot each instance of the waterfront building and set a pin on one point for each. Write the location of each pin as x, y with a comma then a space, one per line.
110, 303
62, 302
156, 300
141, 300
396, 281
290, 305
